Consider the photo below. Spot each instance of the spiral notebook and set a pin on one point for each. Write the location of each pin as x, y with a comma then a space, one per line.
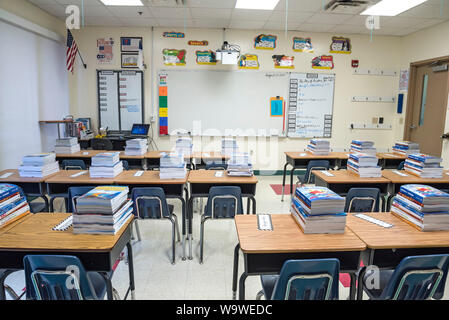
63, 225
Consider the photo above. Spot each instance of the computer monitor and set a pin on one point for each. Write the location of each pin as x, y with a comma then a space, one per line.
140, 129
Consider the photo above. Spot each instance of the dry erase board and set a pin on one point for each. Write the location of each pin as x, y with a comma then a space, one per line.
120, 99
311, 101
213, 103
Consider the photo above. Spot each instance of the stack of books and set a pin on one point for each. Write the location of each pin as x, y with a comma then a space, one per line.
13, 205
239, 165
405, 148
424, 166
67, 145
184, 146
363, 147
319, 147
106, 165
229, 146
364, 165
318, 210
103, 210
172, 166
423, 207
136, 147
38, 165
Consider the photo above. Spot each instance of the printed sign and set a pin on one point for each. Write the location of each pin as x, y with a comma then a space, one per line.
302, 44
198, 43
174, 57
104, 50
173, 34
281, 61
130, 60
340, 45
265, 42
131, 44
205, 57
323, 62
248, 61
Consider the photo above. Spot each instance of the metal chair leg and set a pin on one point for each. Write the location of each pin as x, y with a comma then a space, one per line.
259, 295
203, 219
173, 240
137, 230
177, 227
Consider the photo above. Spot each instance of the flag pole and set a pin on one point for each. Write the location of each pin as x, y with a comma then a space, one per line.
79, 53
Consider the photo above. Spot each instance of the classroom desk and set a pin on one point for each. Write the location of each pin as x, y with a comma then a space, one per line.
173, 189
205, 157
386, 247
343, 180
264, 252
201, 181
58, 184
390, 160
86, 156
33, 234
299, 160
33, 187
153, 159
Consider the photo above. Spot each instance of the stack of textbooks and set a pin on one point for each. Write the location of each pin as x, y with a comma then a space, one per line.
423, 207
67, 145
13, 205
364, 165
106, 165
229, 146
318, 210
239, 165
136, 147
172, 166
38, 165
424, 166
319, 147
103, 210
363, 147
184, 146
406, 148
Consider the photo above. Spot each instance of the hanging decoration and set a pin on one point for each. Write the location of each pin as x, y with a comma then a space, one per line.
302, 44
173, 34
323, 62
265, 42
198, 43
340, 45
248, 61
206, 57
174, 57
283, 62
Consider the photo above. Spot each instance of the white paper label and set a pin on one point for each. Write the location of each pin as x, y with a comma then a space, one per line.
85, 153
219, 174
138, 173
264, 222
400, 173
78, 174
373, 220
6, 175
327, 173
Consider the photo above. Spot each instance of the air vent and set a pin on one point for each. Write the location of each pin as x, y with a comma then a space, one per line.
347, 6
165, 3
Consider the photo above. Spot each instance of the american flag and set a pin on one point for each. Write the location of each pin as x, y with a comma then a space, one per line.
72, 50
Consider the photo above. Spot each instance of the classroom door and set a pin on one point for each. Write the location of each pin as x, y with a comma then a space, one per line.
426, 114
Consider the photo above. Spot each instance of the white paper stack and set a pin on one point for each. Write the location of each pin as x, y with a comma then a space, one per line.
172, 166
106, 165
364, 165
38, 165
319, 147
239, 165
229, 146
406, 148
184, 146
67, 145
366, 147
136, 147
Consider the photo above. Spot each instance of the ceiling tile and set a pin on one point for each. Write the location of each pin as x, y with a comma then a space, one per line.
79, 2
93, 11
329, 18
246, 24
160, 3
210, 13
316, 27
280, 25
129, 12
402, 22
39, 2
212, 23
103, 21
300, 5
254, 15
349, 29
230, 4
139, 22
172, 13
176, 23
428, 11
57, 10
292, 15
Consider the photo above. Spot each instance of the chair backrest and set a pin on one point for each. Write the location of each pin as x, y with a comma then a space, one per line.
125, 165
216, 166
101, 144
315, 165
418, 278
401, 165
311, 279
75, 192
362, 200
150, 203
73, 164
56, 277
224, 202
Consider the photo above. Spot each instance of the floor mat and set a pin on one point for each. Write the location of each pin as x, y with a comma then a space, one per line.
277, 188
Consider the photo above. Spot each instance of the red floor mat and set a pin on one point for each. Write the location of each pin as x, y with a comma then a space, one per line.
277, 188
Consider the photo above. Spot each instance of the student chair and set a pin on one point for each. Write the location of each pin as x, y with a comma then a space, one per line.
73, 164
311, 279
308, 177
415, 278
222, 203
35, 207
216, 166
401, 165
60, 277
150, 203
101, 144
74, 193
362, 200
125, 165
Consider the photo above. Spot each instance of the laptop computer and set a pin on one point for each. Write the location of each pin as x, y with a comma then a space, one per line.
139, 131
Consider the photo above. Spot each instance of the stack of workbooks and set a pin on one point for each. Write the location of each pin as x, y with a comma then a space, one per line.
106, 165
38, 165
239, 165
229, 146
405, 148
172, 166
67, 145
363, 147
136, 147
184, 146
319, 147
423, 207
13, 204
364, 165
424, 166
103, 210
318, 210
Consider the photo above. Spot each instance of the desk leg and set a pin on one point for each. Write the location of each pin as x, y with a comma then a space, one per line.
189, 224
352, 288
109, 291
253, 199
248, 205
235, 272
291, 180
242, 285
362, 272
183, 205
131, 270
283, 180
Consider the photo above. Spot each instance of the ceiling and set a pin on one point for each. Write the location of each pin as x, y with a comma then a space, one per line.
303, 15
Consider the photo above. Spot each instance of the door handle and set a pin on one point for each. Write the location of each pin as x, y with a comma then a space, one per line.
445, 136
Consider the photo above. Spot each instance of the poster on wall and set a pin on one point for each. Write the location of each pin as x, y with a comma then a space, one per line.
323, 62
173, 34
248, 61
403, 80
302, 44
265, 42
206, 57
198, 43
105, 50
130, 60
174, 57
340, 45
283, 62
131, 44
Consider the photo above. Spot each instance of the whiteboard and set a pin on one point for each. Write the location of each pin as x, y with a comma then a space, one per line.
311, 101
108, 100
213, 103
130, 99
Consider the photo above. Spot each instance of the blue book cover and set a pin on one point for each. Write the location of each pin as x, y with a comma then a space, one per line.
7, 190
424, 158
105, 192
419, 213
305, 214
419, 192
12, 207
312, 194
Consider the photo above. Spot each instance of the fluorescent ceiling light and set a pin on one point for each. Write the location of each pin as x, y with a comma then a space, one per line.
256, 4
391, 7
122, 2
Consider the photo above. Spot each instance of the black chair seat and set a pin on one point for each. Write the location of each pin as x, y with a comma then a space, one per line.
36, 207
268, 283
384, 278
98, 283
